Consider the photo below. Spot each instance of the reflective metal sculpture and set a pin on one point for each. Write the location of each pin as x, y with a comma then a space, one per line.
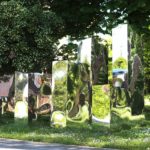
7, 96
40, 101
21, 96
59, 84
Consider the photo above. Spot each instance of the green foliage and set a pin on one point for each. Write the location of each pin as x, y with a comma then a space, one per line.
78, 80
136, 43
29, 30
141, 10
68, 51
146, 64
27, 37
120, 63
78, 73
100, 51
80, 18
129, 11
100, 101
29, 34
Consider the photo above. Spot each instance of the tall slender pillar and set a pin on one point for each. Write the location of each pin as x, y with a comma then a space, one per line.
21, 97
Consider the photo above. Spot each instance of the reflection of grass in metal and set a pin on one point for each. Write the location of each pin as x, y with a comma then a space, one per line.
82, 114
78, 78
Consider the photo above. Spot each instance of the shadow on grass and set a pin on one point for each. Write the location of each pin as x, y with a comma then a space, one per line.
40, 130
121, 122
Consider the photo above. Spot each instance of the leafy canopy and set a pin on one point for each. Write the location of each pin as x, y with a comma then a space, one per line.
29, 30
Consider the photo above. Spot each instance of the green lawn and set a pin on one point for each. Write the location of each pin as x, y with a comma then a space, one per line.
126, 132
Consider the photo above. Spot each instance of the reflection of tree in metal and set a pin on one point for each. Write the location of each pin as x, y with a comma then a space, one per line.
99, 61
78, 79
83, 110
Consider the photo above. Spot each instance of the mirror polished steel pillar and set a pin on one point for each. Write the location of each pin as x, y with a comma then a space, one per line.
21, 96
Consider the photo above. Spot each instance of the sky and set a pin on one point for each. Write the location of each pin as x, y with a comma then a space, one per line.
120, 42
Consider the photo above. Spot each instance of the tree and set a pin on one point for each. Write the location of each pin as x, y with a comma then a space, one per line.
84, 17
99, 60
136, 13
27, 37
29, 30
67, 51
80, 18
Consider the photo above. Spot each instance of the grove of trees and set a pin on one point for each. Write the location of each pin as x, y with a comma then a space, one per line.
30, 30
